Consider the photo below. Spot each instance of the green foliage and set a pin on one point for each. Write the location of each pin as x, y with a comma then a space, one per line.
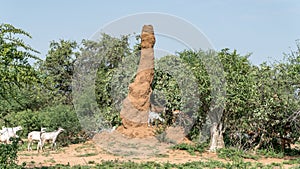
166, 90
191, 148
271, 153
255, 96
277, 105
29, 120
57, 70
174, 88
166, 83
61, 116
16, 73
8, 158
258, 105
235, 154
115, 164
292, 161
205, 67
99, 64
51, 117
241, 94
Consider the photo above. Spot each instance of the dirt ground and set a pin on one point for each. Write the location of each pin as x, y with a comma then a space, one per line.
115, 146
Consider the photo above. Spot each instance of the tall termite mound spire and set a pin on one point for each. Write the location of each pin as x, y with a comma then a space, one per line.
135, 108
140, 90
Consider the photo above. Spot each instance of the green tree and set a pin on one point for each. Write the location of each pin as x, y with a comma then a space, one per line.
57, 70
223, 78
16, 74
277, 117
97, 75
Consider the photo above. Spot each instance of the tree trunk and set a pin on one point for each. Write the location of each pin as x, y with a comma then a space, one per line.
216, 137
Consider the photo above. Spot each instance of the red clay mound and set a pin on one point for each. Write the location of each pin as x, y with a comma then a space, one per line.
137, 143
134, 138
136, 105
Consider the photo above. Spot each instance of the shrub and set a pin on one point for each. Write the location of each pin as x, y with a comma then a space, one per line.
51, 117
8, 153
191, 148
29, 120
61, 116
235, 154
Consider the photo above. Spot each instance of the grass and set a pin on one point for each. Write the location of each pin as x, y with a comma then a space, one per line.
51, 160
85, 146
115, 164
292, 161
190, 148
271, 153
28, 154
235, 154
87, 155
91, 162
46, 153
235, 164
162, 155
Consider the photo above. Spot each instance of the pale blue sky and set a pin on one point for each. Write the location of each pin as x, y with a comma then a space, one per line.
266, 28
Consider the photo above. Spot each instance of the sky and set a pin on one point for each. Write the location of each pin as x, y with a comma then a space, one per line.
265, 28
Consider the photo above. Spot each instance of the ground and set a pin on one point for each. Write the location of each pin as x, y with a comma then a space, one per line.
115, 146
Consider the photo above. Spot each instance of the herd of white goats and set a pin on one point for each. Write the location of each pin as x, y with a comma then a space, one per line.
40, 136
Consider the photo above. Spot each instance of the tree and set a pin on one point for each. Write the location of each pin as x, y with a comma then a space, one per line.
97, 84
57, 70
16, 73
233, 81
277, 116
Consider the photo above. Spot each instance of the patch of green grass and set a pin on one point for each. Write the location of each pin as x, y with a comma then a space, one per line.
85, 146
271, 153
292, 161
162, 155
91, 162
51, 160
136, 158
116, 164
235, 154
28, 154
292, 152
46, 153
23, 147
129, 153
87, 155
130, 145
192, 149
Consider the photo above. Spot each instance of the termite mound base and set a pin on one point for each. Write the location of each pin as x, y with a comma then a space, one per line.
134, 122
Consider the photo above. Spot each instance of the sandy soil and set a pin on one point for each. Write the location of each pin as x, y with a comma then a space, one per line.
115, 146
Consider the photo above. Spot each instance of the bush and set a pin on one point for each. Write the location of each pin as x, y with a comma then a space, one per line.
51, 117
235, 154
29, 120
191, 148
8, 153
61, 116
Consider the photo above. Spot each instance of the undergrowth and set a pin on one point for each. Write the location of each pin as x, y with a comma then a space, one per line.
190, 148
235, 154
115, 164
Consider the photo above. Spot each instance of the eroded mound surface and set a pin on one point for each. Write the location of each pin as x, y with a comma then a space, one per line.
140, 141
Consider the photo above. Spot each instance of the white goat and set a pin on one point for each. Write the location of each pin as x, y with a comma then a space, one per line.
50, 136
7, 133
154, 116
35, 136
